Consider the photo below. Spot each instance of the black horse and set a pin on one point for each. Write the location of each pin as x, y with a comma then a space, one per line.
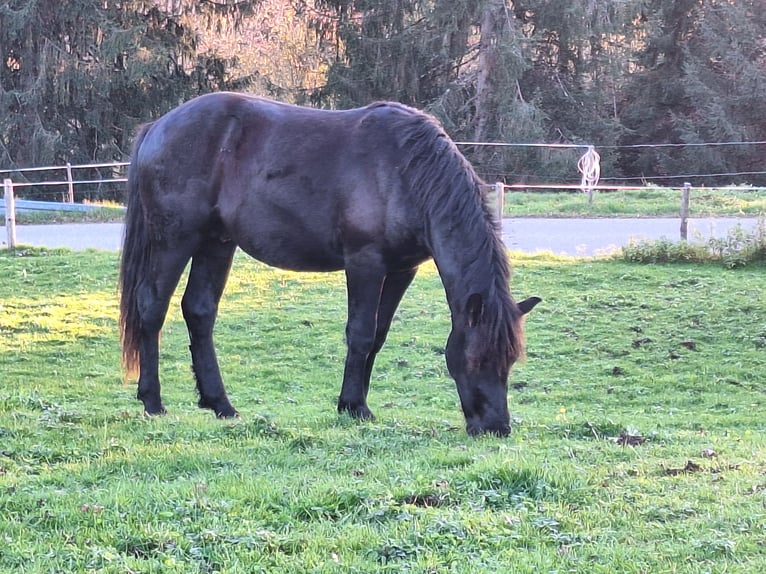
374, 191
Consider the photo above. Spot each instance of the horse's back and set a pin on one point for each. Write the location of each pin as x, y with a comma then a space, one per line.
295, 187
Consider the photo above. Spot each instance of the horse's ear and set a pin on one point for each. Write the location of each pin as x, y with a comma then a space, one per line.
528, 304
474, 309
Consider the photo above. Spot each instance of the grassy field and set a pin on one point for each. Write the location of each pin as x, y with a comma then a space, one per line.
103, 214
642, 203
638, 443
649, 202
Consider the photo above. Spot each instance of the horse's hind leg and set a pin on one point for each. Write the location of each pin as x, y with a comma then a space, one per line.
153, 297
207, 278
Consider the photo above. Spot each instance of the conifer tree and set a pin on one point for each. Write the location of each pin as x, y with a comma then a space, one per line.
455, 58
76, 77
701, 79
491, 70
724, 81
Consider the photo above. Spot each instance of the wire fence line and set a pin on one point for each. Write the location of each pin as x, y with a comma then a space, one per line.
588, 167
587, 170
562, 154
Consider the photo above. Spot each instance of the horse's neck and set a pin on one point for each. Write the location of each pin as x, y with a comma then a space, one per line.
465, 266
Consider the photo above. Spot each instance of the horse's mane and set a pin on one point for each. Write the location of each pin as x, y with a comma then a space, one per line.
448, 190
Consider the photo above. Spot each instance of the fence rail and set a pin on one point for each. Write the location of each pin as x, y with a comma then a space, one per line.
35, 205
69, 181
68, 166
587, 166
12, 205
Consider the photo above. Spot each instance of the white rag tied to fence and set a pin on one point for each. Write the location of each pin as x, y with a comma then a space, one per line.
589, 166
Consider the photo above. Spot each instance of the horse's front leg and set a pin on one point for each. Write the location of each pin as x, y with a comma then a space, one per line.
364, 287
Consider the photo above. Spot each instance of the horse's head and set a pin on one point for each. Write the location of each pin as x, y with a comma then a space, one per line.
480, 353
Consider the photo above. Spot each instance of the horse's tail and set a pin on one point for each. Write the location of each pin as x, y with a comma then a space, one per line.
133, 263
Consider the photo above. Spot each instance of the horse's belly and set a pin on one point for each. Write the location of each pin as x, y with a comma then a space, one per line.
295, 254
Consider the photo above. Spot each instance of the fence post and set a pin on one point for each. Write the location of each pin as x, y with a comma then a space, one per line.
685, 210
70, 179
10, 213
493, 197
500, 191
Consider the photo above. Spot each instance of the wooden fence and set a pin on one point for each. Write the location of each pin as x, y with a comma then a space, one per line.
10, 213
69, 181
495, 193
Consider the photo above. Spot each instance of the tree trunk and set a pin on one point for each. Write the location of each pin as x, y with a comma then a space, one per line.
492, 25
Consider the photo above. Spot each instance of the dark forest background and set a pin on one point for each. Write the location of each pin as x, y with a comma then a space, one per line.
78, 76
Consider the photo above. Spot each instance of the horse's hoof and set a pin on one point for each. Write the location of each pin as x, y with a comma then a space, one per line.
364, 415
500, 431
155, 412
222, 408
361, 412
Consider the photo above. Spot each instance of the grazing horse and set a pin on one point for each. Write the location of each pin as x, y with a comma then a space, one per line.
374, 191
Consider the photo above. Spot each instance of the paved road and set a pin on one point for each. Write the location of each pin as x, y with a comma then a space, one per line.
576, 237
78, 236
586, 237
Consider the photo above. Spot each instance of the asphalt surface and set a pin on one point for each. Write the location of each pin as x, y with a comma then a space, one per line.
588, 237
573, 237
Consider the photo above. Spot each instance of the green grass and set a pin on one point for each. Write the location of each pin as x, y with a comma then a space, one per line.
650, 202
739, 248
106, 213
637, 375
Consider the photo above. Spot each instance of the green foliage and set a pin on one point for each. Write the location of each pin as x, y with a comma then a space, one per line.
609, 74
737, 249
700, 76
407, 51
666, 251
638, 440
77, 77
